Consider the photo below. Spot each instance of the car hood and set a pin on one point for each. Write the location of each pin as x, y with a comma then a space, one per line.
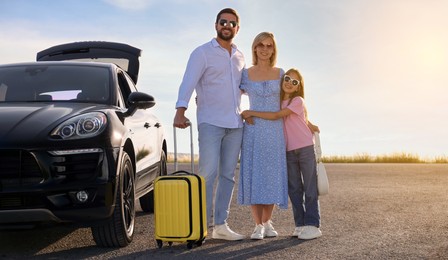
123, 55
25, 122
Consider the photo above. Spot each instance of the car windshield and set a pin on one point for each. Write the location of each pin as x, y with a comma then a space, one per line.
54, 83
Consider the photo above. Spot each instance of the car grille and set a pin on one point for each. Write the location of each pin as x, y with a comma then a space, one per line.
14, 201
18, 169
77, 166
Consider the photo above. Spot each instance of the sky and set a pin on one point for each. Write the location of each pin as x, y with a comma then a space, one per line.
374, 71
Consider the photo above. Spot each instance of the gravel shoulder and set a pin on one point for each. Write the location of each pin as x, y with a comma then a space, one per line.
373, 211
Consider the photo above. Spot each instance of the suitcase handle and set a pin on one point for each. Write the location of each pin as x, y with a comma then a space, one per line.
191, 147
181, 172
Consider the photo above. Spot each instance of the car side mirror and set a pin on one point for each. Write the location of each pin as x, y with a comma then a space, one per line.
139, 100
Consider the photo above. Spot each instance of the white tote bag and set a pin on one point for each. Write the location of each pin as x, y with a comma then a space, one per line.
322, 179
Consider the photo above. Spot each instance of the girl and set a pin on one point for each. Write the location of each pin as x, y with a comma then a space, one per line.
300, 155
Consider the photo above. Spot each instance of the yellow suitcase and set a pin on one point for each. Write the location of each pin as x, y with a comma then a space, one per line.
179, 209
180, 206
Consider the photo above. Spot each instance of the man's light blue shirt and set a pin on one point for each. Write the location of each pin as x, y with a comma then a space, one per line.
216, 77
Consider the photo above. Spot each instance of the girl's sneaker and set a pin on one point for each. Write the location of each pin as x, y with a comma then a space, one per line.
297, 231
269, 230
309, 232
258, 232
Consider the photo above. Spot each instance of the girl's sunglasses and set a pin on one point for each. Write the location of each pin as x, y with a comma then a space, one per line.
294, 82
225, 23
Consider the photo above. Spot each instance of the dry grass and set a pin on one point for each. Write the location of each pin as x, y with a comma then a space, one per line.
390, 158
358, 158
182, 157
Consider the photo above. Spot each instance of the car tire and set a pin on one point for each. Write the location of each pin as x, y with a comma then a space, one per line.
118, 230
147, 201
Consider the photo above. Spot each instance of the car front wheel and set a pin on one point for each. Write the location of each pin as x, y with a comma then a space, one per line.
118, 230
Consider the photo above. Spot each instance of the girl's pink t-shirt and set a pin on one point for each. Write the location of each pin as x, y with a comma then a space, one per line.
297, 133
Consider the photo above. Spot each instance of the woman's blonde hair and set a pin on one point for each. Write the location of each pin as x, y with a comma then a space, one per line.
259, 38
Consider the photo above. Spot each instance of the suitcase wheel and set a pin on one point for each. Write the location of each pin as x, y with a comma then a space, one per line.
200, 242
159, 243
190, 244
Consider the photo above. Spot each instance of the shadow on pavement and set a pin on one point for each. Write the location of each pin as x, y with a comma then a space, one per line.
219, 249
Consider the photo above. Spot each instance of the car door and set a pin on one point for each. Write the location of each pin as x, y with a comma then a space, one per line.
144, 130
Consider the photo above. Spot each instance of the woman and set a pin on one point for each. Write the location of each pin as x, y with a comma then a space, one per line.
263, 174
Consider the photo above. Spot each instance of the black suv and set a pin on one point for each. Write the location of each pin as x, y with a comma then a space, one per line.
78, 142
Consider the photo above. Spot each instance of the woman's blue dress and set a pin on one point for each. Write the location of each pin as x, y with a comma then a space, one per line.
263, 172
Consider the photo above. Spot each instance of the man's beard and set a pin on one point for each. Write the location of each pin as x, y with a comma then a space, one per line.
226, 38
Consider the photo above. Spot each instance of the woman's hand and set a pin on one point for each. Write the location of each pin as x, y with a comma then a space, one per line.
247, 117
249, 120
245, 114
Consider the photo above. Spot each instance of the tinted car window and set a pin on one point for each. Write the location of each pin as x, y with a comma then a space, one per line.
124, 87
54, 82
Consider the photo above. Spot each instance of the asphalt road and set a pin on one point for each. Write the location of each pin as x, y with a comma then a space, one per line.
373, 211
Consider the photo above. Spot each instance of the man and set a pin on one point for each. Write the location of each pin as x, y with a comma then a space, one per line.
214, 72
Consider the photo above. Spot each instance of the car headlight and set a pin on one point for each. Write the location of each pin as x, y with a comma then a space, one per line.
82, 126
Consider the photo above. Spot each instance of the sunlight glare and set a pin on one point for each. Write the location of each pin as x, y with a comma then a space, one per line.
432, 55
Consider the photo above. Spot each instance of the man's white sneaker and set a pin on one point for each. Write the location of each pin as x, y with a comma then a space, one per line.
297, 231
258, 232
269, 230
309, 232
224, 232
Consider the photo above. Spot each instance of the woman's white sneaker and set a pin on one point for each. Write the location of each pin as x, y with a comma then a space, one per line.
309, 232
258, 232
269, 230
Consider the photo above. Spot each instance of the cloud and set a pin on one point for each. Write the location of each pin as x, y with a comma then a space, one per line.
131, 4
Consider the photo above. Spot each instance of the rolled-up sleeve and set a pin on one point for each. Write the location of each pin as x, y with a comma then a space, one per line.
193, 73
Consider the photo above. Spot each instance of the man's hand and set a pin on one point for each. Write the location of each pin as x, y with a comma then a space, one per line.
180, 120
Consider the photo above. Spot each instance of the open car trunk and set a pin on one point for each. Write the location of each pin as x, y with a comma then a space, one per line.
123, 55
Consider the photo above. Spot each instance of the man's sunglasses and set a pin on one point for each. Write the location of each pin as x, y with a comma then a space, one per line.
225, 23
294, 82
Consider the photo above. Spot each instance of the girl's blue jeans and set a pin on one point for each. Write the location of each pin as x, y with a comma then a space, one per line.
302, 186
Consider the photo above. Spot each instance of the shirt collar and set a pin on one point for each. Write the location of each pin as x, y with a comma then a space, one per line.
215, 43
